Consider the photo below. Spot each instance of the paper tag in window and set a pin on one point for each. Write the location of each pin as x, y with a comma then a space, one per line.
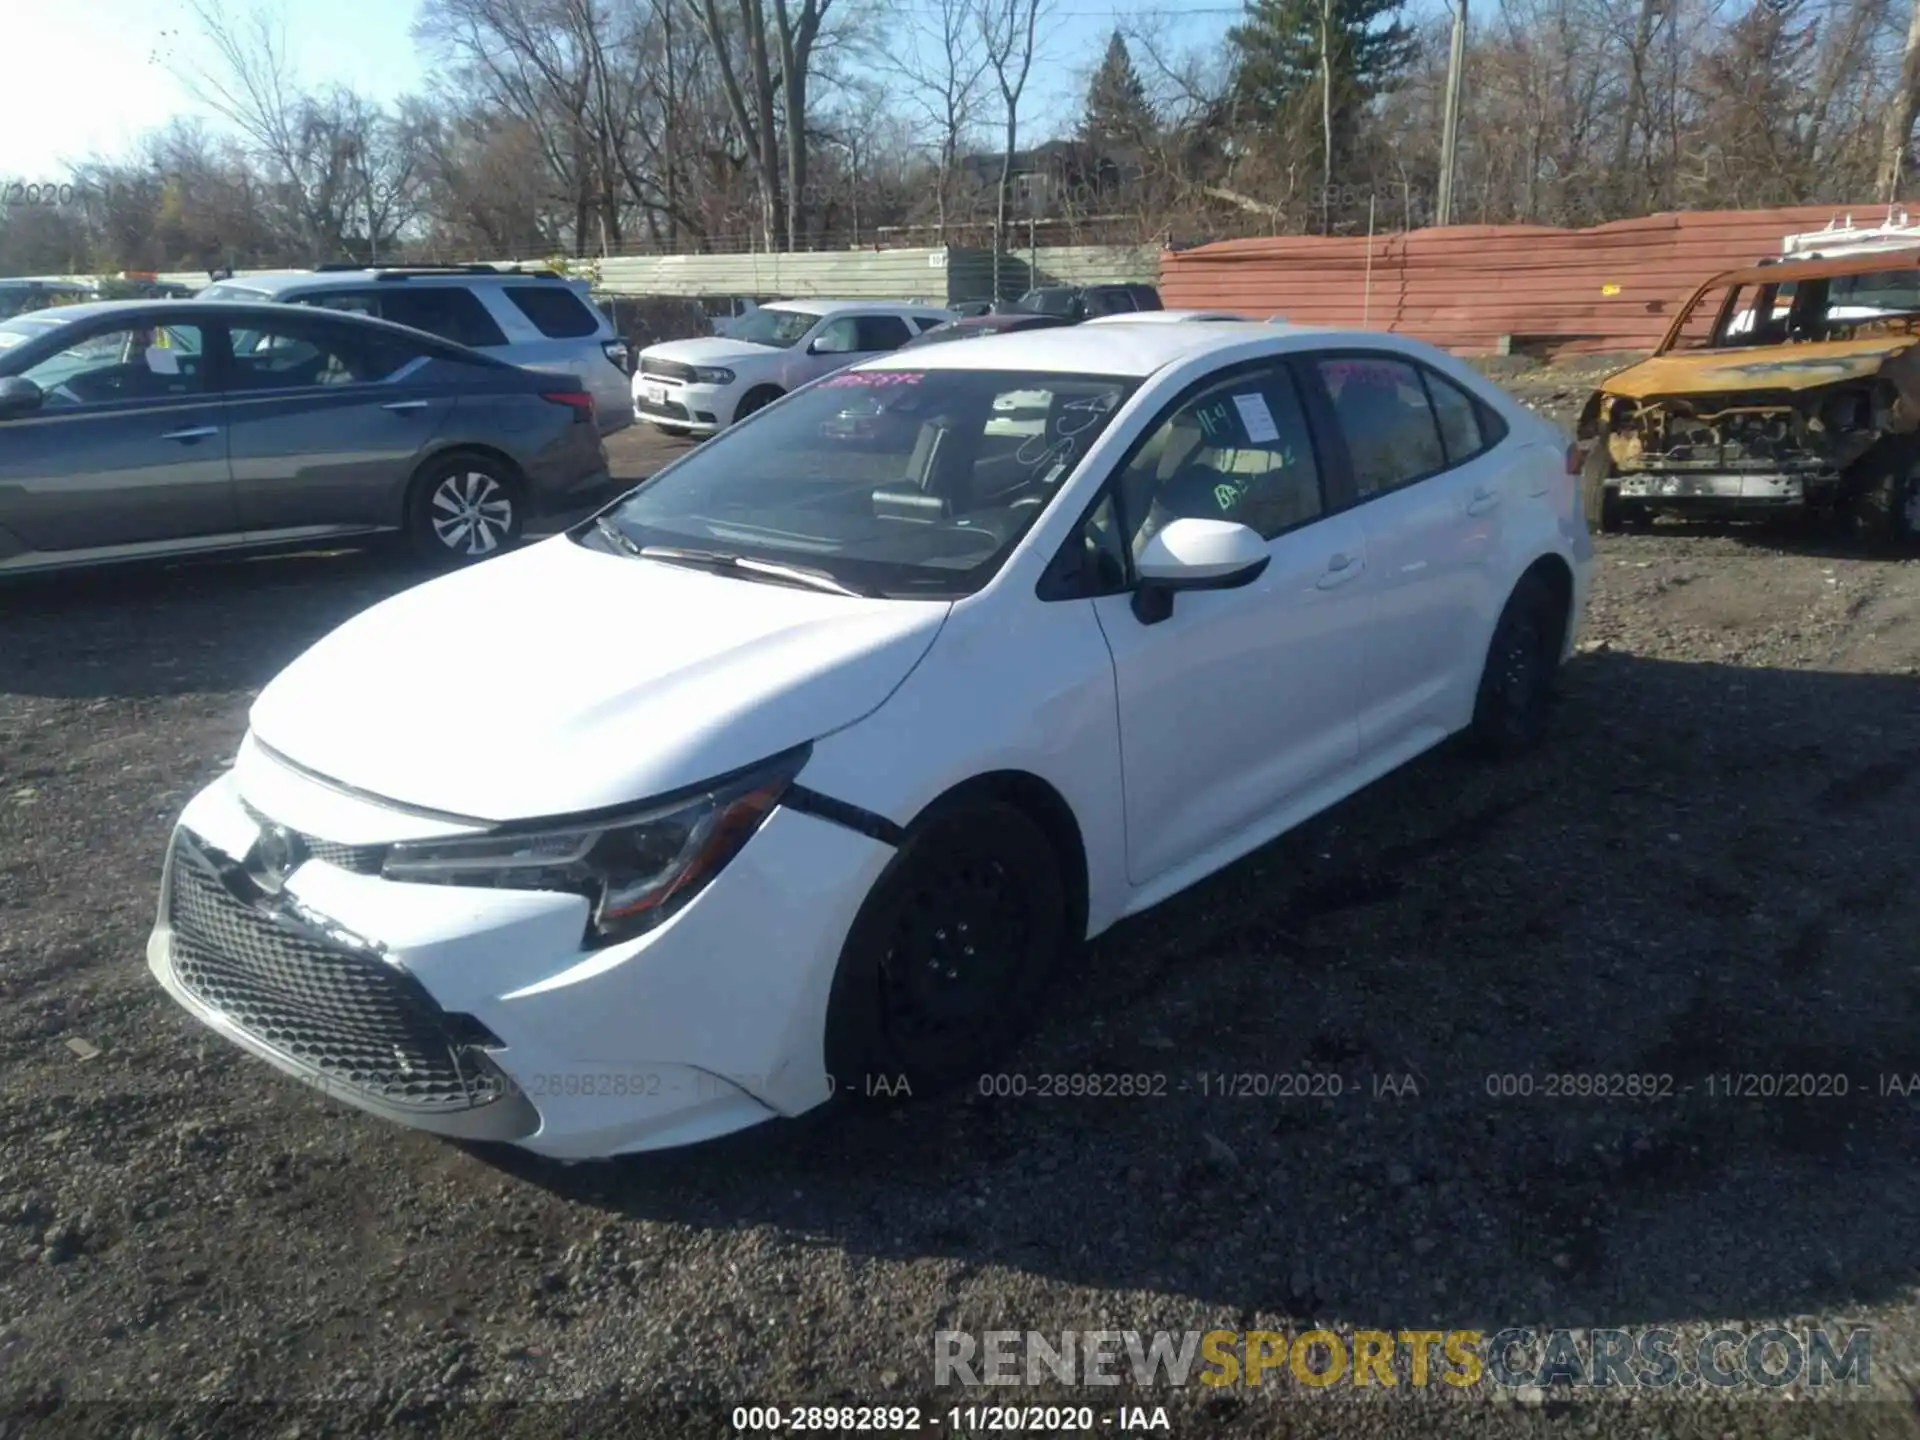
1257, 418
162, 361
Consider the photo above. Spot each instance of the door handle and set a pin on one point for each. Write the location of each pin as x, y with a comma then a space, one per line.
405, 405
1340, 569
198, 432
1483, 501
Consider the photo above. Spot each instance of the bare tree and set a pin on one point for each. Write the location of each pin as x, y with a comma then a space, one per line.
1008, 30
335, 160
1904, 105
940, 69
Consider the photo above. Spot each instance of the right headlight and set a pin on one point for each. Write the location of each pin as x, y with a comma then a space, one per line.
635, 870
712, 375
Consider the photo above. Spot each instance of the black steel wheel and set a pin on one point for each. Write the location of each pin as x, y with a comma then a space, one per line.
1516, 685
949, 955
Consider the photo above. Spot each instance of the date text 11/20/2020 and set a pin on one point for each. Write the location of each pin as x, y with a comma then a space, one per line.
750, 1420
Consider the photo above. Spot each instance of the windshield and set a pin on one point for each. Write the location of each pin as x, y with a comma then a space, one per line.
24, 328
906, 483
1051, 301
1802, 308
771, 325
233, 292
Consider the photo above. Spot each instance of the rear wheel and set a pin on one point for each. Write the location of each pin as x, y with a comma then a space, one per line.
1516, 686
463, 508
949, 955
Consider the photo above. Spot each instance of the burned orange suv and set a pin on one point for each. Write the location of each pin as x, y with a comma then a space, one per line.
1789, 385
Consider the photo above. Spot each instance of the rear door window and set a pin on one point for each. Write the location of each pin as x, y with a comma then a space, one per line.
448, 311
351, 302
296, 353
1385, 418
556, 312
880, 332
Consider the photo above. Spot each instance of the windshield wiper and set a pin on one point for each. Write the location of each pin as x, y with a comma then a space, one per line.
770, 569
621, 541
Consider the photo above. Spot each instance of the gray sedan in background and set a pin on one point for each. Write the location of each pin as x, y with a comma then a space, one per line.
141, 430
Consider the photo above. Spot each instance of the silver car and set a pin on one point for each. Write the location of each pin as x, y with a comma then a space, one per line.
149, 430
535, 319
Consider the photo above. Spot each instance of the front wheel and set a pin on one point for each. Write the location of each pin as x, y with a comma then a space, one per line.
756, 400
1883, 508
947, 959
464, 508
1523, 660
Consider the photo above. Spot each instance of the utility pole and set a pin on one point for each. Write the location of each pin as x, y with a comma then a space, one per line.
1450, 127
1326, 115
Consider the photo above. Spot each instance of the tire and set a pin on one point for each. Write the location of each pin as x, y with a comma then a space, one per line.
1605, 510
757, 400
463, 508
1883, 508
912, 1001
1515, 695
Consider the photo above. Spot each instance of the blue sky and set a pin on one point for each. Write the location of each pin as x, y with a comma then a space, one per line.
98, 73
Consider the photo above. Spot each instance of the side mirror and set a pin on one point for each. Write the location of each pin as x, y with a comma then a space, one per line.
824, 346
18, 396
1195, 555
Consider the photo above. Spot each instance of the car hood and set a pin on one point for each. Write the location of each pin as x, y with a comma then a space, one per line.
559, 679
1759, 367
709, 350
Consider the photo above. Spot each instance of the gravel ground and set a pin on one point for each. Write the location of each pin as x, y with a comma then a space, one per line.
1709, 869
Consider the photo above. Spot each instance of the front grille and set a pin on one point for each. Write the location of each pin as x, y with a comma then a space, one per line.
314, 996
360, 859
666, 369
671, 409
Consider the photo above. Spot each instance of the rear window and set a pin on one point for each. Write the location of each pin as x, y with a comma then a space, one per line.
555, 311
1883, 292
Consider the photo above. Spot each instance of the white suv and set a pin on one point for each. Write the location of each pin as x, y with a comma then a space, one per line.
699, 387
535, 319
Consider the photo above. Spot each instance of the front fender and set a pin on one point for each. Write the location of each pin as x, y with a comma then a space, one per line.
1588, 426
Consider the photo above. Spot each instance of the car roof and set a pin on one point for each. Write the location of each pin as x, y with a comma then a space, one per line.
1008, 320
810, 306
1813, 267
180, 312
1164, 317
275, 282
1136, 350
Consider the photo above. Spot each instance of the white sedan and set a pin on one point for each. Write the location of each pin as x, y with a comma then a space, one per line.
798, 768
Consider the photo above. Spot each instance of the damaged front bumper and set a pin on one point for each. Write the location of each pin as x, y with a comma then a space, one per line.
1728, 492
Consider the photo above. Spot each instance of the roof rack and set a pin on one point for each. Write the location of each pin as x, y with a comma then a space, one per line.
407, 272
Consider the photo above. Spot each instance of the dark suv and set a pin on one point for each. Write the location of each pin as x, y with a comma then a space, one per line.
1083, 302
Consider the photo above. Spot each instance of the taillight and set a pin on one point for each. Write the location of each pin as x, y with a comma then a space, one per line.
580, 400
1576, 459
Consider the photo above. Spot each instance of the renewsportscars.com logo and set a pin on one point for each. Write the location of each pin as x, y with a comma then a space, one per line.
1519, 1358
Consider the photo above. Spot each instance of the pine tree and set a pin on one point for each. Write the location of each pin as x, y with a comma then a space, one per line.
1118, 112
1277, 57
